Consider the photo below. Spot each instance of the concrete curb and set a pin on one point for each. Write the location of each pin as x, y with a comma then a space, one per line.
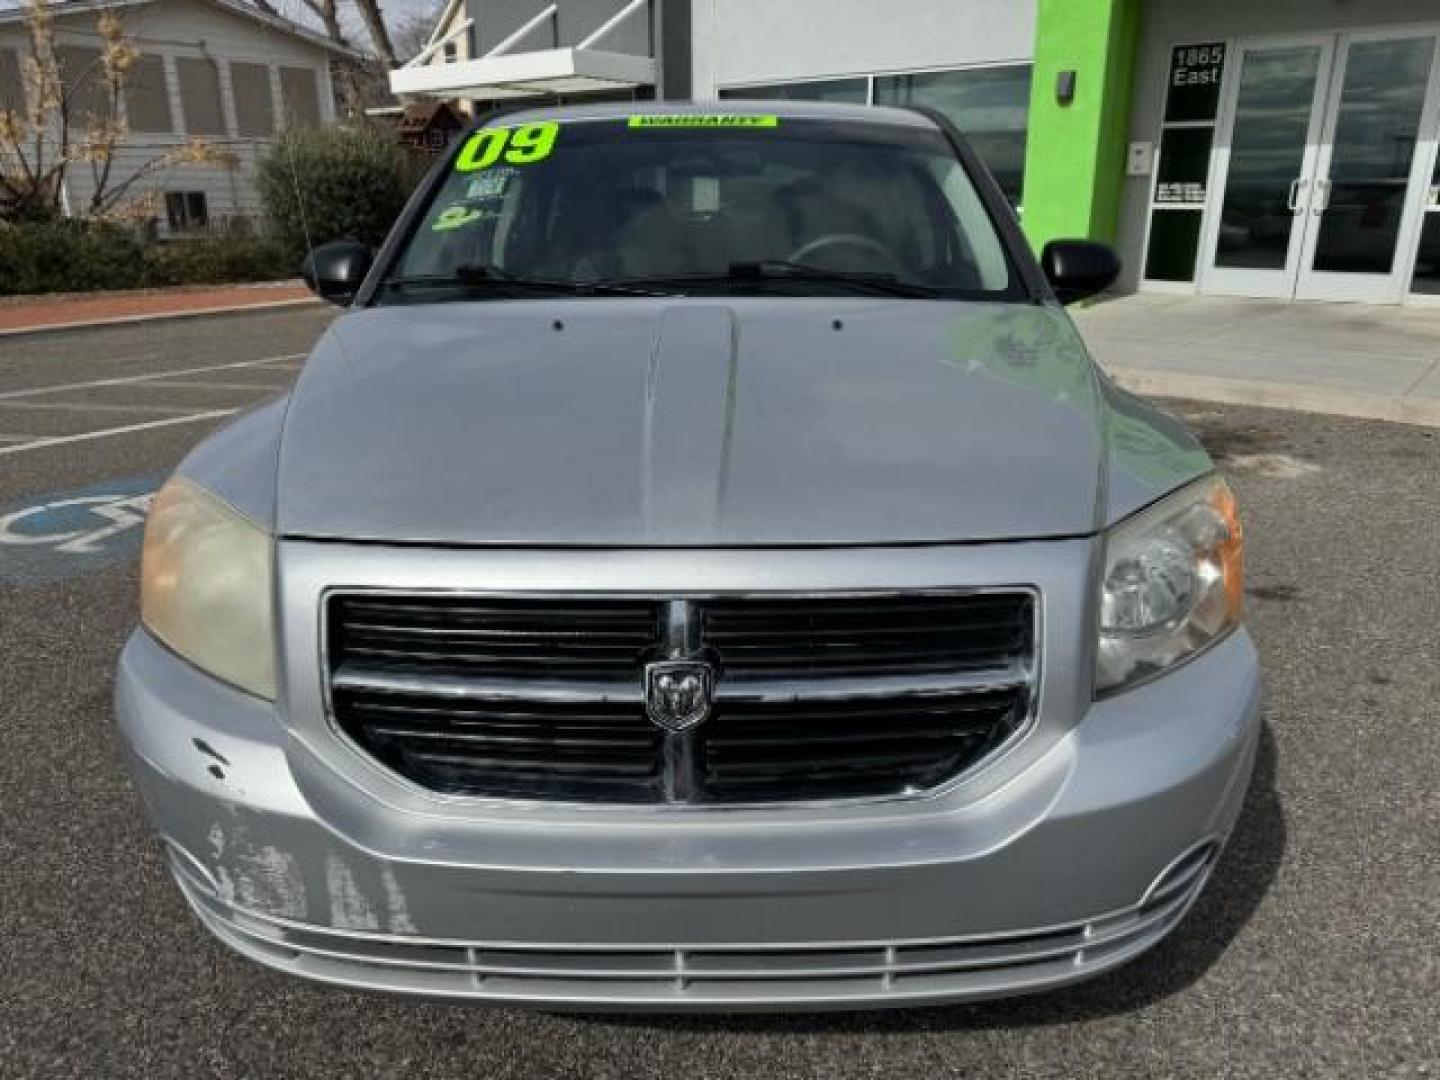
154, 316
1277, 395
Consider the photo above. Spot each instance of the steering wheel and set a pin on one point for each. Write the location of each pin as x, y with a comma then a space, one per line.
854, 241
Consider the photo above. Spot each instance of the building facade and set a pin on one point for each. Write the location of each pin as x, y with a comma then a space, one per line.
1285, 149
222, 71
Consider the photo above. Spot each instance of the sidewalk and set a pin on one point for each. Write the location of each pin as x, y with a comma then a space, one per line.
32, 314
1350, 359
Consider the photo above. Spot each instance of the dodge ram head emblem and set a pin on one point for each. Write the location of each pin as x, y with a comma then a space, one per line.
678, 693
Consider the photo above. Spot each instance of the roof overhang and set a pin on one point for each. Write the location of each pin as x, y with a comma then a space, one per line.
518, 75
235, 7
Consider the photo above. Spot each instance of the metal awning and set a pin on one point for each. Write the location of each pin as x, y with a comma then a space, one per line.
501, 74
553, 71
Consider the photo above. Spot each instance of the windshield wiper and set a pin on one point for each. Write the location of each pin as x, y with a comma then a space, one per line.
739, 273
477, 277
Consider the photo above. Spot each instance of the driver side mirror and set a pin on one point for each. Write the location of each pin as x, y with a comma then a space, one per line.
334, 271
1078, 268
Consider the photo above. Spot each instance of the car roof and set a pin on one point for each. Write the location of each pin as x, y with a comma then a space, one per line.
792, 110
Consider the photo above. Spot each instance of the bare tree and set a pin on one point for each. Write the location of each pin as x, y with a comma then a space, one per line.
411, 31
328, 12
41, 141
379, 33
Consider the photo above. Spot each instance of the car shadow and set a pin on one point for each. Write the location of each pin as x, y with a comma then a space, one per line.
1239, 883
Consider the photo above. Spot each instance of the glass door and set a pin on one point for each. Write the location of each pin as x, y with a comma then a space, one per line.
1426, 280
1365, 203
1266, 154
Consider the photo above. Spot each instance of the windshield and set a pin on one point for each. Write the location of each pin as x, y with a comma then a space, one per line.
704, 205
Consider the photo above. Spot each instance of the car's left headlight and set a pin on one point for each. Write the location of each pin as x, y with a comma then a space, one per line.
1173, 583
205, 586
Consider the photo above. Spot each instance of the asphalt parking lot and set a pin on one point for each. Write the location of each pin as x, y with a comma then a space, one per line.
1314, 953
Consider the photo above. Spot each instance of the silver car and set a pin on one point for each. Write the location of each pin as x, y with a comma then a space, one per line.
701, 569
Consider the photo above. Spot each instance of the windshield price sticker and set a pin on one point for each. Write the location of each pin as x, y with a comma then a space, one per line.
460, 215
524, 144
682, 120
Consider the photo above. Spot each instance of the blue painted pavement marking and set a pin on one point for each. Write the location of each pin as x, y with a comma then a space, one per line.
65, 534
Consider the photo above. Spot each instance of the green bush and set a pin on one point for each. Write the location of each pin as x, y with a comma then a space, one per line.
68, 256
218, 258
335, 183
79, 256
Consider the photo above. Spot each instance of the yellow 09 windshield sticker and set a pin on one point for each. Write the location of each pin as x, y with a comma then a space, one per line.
690, 120
520, 145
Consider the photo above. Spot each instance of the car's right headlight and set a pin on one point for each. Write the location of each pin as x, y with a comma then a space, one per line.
1172, 585
205, 586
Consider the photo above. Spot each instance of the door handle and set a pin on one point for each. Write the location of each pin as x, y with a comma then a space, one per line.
1293, 202
1322, 188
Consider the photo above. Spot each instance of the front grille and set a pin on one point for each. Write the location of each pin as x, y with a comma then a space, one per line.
842, 697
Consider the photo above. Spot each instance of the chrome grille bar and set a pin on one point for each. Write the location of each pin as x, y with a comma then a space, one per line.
351, 676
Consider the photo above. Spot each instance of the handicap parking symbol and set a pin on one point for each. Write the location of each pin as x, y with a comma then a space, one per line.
64, 534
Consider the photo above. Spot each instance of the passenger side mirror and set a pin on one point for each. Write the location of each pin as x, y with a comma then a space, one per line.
334, 271
1078, 268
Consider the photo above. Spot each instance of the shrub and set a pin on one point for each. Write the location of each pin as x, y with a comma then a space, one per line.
68, 256
218, 258
80, 256
335, 183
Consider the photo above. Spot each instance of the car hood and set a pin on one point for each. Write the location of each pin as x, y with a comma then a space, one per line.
678, 422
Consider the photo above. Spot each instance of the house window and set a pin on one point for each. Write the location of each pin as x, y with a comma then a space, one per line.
301, 96
451, 51
200, 96
186, 211
147, 98
254, 107
12, 86
83, 77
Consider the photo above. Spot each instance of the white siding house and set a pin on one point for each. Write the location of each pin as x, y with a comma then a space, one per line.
212, 68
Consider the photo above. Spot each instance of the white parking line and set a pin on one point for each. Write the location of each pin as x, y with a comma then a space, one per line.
178, 385
60, 440
98, 406
10, 395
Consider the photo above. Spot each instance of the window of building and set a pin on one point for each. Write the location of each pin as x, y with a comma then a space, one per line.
254, 107
147, 97
83, 78
12, 87
301, 96
186, 211
451, 51
854, 91
1177, 198
200, 96
989, 105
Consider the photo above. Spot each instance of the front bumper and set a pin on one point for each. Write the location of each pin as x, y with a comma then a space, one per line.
1078, 863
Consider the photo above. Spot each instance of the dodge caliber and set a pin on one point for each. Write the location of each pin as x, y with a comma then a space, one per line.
701, 568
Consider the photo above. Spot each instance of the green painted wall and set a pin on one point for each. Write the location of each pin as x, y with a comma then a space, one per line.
1075, 154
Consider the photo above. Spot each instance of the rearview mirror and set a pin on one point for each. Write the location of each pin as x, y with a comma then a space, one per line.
1078, 268
334, 271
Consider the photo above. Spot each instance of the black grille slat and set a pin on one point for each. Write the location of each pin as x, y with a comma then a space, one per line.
857, 747
840, 636
817, 697
499, 739
491, 660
